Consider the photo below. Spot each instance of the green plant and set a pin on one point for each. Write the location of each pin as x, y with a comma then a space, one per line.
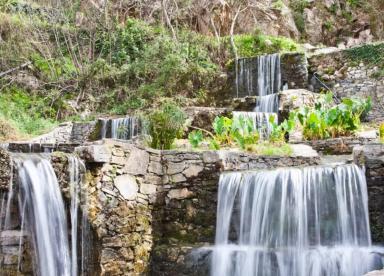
195, 138
279, 131
271, 149
328, 120
165, 125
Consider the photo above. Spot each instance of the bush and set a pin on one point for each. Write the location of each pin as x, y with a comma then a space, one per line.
165, 125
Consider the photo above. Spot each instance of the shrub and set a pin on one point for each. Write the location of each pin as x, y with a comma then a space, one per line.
165, 125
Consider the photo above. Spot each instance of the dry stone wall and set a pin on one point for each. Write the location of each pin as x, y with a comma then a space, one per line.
372, 158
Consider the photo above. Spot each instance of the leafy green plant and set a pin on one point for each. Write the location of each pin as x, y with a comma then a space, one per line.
327, 120
195, 138
165, 125
279, 131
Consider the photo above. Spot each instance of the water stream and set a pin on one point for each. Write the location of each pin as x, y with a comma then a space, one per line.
298, 221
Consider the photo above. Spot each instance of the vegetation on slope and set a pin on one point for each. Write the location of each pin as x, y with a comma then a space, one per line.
104, 65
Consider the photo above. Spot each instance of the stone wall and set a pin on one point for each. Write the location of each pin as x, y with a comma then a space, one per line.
81, 131
347, 79
294, 72
372, 158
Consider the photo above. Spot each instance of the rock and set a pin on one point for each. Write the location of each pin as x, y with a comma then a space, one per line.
147, 189
180, 193
211, 157
155, 167
303, 150
193, 171
95, 153
375, 273
127, 186
11, 237
137, 163
174, 168
177, 178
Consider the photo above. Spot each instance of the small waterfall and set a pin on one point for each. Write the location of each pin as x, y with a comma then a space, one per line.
269, 103
300, 221
261, 121
42, 219
258, 76
42, 214
120, 128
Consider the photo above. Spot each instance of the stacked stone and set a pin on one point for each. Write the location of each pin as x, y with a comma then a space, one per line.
372, 158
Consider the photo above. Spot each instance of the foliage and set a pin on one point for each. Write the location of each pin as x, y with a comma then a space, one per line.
258, 44
27, 113
327, 120
195, 138
165, 125
279, 131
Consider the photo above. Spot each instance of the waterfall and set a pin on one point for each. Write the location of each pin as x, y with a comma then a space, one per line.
268, 103
258, 76
42, 218
300, 221
43, 215
261, 121
120, 128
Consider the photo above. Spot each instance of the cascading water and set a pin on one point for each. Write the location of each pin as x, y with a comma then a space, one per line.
260, 120
120, 128
301, 221
42, 216
260, 77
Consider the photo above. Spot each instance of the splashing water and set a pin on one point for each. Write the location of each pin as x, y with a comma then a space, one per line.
310, 221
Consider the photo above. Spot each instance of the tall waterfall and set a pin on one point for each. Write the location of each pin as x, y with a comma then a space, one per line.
41, 211
301, 221
120, 128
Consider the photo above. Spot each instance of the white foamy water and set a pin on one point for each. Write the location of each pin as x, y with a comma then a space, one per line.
299, 221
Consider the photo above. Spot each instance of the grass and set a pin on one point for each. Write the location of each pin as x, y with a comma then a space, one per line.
269, 149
